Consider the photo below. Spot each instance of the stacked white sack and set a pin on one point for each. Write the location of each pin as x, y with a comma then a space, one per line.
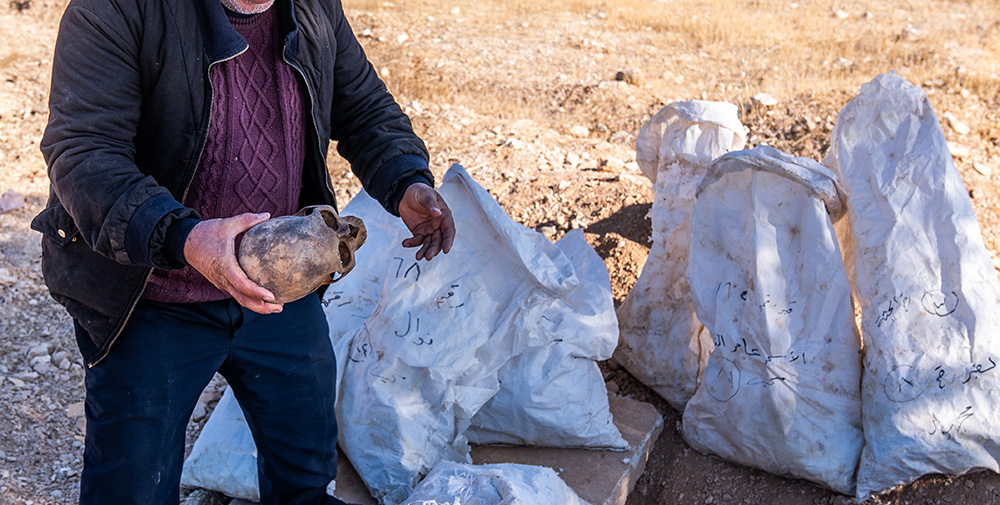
781, 391
927, 288
662, 342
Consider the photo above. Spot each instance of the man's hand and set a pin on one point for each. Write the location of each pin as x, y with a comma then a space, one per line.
211, 249
429, 219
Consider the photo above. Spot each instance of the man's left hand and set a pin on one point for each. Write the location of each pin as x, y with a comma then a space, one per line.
429, 219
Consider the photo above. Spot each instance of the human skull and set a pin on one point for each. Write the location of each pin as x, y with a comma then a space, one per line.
292, 256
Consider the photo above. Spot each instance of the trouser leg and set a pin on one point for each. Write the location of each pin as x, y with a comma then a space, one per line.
139, 400
282, 371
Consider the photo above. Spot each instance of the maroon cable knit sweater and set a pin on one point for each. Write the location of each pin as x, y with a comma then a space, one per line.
253, 157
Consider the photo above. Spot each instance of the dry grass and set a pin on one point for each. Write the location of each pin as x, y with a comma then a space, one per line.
733, 48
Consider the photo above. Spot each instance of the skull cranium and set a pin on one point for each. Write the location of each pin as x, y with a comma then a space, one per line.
292, 256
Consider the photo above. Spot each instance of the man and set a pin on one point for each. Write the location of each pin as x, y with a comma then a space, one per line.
175, 125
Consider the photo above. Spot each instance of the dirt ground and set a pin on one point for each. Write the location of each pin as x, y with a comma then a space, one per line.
532, 106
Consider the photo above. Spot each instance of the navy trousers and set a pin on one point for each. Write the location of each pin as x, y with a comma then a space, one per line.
139, 399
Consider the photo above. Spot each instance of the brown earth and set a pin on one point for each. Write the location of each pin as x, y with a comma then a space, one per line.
501, 93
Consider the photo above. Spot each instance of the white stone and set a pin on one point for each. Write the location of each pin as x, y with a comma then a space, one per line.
611, 164
764, 99
983, 168
38, 350
75, 409
579, 131
959, 127
958, 150
27, 376
199, 412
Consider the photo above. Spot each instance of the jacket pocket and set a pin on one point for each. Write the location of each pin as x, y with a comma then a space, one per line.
56, 224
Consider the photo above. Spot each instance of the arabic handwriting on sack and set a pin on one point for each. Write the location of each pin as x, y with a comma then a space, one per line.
409, 325
389, 378
446, 301
952, 428
724, 290
791, 355
934, 301
905, 383
722, 379
362, 348
978, 368
893, 306
940, 303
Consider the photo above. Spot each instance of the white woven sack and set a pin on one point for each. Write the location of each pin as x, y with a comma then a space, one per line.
224, 457
427, 358
555, 396
502, 484
781, 391
662, 342
927, 288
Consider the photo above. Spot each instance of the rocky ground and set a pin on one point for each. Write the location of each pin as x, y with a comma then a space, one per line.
558, 100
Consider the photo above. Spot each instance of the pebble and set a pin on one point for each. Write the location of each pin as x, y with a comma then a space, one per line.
842, 63
983, 168
959, 127
579, 131
631, 75
764, 100
958, 150
26, 376
840, 14
75, 409
38, 350
199, 412
513, 143
611, 164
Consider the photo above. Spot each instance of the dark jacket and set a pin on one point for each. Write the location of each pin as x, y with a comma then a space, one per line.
128, 118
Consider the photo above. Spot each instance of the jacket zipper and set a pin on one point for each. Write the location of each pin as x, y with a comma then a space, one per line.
312, 117
187, 187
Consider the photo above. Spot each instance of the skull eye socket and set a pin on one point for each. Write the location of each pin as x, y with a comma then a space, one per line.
346, 257
353, 231
330, 219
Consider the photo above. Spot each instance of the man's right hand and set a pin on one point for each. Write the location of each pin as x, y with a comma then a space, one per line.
210, 249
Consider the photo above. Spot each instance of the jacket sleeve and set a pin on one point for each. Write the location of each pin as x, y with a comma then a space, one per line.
88, 144
371, 130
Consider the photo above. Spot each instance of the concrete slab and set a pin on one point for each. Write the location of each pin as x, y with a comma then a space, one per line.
599, 477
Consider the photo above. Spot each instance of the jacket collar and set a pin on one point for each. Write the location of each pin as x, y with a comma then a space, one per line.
222, 42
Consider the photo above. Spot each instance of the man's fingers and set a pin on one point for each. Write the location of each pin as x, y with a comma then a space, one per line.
448, 234
241, 283
435, 246
257, 305
414, 241
422, 253
246, 221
